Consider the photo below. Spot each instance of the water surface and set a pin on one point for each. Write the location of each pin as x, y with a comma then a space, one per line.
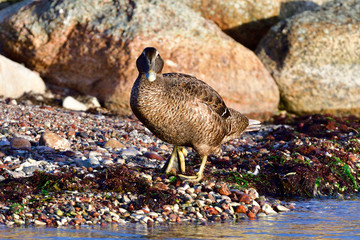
315, 219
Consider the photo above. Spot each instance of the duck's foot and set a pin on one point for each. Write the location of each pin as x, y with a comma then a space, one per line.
199, 175
196, 178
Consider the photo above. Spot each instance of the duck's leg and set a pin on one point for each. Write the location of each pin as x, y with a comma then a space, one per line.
199, 175
182, 153
171, 161
176, 160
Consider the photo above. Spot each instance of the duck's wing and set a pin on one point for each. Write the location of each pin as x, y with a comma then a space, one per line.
196, 88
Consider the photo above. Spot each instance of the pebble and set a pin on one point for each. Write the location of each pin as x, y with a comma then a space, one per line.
282, 208
152, 155
130, 152
114, 143
4, 142
268, 209
39, 223
20, 143
245, 198
53, 140
73, 104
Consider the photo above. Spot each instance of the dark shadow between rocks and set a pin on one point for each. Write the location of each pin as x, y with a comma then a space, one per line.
249, 34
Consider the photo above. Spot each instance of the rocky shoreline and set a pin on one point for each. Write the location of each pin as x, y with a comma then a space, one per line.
60, 167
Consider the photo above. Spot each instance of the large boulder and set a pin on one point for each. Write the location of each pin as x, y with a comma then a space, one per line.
290, 8
246, 21
15, 79
314, 58
92, 46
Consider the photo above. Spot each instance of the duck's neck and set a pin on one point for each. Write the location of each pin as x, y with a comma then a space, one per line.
143, 80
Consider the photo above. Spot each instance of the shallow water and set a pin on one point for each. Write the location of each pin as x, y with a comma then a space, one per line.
315, 219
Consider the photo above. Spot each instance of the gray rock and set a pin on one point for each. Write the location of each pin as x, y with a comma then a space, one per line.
130, 152
108, 162
93, 161
83, 163
290, 8
7, 11
4, 142
268, 209
314, 58
29, 170
125, 199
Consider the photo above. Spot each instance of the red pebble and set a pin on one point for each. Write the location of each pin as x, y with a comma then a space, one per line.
245, 198
241, 209
251, 215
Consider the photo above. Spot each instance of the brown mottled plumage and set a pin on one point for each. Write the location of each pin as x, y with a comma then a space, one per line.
183, 111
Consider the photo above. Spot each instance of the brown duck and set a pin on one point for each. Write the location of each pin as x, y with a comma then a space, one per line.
184, 111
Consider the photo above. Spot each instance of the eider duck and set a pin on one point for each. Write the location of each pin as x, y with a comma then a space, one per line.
184, 111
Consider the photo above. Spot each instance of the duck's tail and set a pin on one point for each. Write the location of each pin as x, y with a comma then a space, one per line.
254, 125
240, 124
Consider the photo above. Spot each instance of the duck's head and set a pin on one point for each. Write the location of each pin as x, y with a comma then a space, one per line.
150, 63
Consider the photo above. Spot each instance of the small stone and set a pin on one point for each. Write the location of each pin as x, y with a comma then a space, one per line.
224, 190
131, 152
108, 162
146, 176
30, 169
20, 143
17, 174
191, 209
261, 215
212, 211
59, 212
83, 163
251, 215
19, 222
94, 161
200, 203
10, 223
73, 104
53, 140
268, 209
253, 193
172, 217
241, 216
153, 155
245, 198
255, 209
160, 220
241, 209
13, 102
161, 186
4, 142
39, 223
199, 215
218, 209
281, 208
93, 102
114, 143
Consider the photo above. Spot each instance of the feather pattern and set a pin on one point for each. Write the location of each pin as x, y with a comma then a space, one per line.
183, 110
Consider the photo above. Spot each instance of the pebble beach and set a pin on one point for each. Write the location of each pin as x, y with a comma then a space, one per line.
61, 167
